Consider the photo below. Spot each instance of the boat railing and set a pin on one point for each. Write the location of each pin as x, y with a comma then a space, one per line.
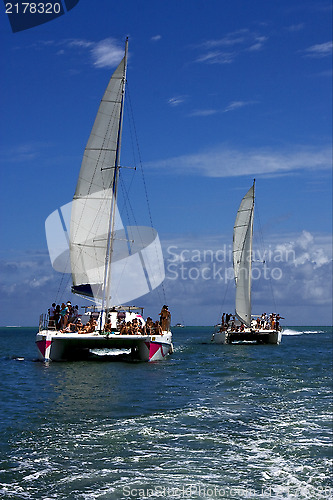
45, 323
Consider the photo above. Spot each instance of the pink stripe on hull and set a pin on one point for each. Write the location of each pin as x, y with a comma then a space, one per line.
43, 345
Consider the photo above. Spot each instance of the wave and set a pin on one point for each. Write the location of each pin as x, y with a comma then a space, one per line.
291, 332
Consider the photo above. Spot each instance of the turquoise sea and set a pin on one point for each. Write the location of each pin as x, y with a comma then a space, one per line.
211, 421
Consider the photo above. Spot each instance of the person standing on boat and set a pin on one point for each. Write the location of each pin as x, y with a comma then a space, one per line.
277, 321
222, 320
52, 311
227, 319
64, 316
165, 318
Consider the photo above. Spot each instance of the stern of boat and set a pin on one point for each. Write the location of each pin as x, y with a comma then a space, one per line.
220, 338
155, 347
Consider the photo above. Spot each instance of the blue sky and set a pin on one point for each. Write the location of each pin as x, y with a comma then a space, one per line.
221, 92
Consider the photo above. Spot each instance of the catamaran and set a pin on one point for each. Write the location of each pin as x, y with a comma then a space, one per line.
245, 327
109, 263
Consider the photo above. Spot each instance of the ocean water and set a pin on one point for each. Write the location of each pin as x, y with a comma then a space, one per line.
211, 421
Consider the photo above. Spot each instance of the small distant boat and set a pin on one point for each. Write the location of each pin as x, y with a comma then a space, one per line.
179, 325
245, 327
103, 252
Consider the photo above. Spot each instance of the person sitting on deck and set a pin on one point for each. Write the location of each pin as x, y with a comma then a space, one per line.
157, 328
93, 325
142, 328
149, 326
89, 327
107, 326
79, 324
135, 327
70, 328
122, 328
129, 330
241, 328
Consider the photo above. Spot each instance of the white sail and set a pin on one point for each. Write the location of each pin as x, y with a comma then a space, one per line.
242, 256
93, 200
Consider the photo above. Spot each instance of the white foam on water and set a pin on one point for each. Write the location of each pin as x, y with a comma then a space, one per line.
314, 331
290, 332
109, 352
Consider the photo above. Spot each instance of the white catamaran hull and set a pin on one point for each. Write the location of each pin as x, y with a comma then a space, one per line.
57, 346
259, 337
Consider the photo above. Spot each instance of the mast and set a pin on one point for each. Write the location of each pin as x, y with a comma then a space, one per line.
110, 240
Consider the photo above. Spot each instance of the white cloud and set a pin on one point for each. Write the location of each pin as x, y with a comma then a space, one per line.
226, 49
232, 106
107, 53
236, 105
319, 50
295, 27
76, 42
204, 112
259, 43
216, 57
176, 100
227, 162
156, 38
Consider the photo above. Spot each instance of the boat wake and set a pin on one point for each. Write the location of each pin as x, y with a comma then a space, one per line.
291, 332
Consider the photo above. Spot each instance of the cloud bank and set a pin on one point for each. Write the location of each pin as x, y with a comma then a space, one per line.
227, 162
291, 276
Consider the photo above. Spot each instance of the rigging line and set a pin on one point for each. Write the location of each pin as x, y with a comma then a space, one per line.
223, 300
143, 176
126, 201
262, 243
62, 287
129, 205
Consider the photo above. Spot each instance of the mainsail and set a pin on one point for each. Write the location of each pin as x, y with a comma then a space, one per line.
109, 262
94, 215
242, 256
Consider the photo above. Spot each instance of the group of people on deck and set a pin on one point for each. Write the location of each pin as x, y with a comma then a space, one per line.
66, 319
263, 322
137, 327
61, 316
